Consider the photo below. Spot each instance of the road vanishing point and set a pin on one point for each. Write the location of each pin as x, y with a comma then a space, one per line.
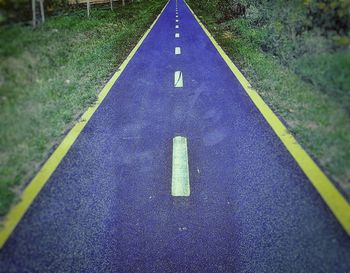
179, 167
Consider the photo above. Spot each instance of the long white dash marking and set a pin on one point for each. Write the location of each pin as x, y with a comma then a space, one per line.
180, 183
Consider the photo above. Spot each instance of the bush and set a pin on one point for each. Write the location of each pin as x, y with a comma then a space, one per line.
15, 10
331, 15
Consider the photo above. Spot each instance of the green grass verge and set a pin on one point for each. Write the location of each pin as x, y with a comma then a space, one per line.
318, 118
49, 76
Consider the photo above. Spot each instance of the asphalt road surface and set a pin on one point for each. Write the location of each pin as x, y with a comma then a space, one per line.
108, 206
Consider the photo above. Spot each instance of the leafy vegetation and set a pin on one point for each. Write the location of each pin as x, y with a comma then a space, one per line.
50, 75
296, 54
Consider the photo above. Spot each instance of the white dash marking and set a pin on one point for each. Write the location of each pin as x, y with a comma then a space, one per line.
177, 20
177, 26
177, 35
178, 80
180, 184
177, 50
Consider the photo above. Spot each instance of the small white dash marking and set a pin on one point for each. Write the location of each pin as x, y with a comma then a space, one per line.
177, 16
177, 20
177, 35
177, 26
178, 81
177, 50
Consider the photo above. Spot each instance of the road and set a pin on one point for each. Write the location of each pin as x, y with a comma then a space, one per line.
108, 206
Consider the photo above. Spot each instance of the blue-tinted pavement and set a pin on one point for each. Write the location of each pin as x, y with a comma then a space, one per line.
108, 206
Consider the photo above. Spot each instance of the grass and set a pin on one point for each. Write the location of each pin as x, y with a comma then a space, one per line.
49, 76
309, 92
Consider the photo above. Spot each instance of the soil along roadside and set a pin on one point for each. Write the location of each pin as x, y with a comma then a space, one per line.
50, 76
318, 118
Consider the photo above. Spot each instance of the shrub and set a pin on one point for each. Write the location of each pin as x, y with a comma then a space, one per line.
330, 14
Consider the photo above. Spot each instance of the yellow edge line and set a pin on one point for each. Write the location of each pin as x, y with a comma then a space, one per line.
16, 213
333, 198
